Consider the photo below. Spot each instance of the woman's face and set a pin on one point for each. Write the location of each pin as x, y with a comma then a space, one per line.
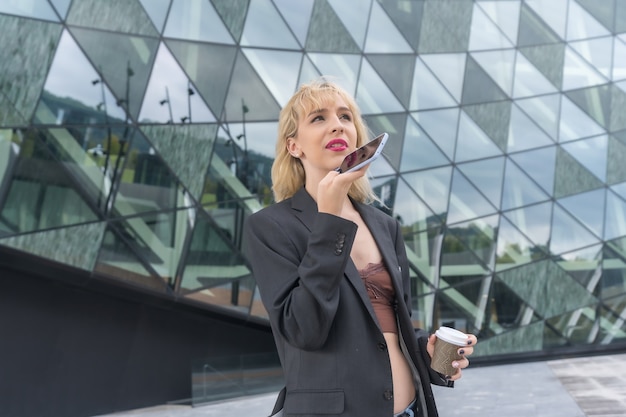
325, 136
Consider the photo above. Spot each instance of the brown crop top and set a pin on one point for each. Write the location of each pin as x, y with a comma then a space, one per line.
382, 295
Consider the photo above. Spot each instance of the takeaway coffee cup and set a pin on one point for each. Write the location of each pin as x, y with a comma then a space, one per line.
446, 347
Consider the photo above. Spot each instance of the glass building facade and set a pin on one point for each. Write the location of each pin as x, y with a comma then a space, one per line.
136, 136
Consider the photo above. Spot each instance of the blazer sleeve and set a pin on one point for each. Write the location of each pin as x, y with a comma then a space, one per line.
298, 271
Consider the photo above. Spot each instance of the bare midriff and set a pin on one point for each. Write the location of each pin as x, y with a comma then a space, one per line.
403, 386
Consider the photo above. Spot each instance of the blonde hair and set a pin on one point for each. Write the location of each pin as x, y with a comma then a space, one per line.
288, 174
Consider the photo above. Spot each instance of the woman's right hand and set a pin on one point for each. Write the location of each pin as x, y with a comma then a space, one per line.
332, 190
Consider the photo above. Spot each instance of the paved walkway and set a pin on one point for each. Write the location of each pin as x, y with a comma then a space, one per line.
579, 387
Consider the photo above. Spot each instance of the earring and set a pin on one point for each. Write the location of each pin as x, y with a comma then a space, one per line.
296, 155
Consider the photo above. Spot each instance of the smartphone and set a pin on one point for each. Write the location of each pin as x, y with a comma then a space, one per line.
364, 155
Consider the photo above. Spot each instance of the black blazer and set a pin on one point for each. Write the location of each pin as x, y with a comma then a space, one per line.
331, 347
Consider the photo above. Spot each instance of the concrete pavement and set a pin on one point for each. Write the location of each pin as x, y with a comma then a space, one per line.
576, 387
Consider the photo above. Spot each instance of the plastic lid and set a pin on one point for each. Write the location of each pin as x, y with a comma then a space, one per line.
450, 335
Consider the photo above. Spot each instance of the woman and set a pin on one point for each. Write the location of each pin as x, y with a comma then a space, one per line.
333, 274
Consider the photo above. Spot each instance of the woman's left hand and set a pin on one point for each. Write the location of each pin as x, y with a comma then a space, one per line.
463, 351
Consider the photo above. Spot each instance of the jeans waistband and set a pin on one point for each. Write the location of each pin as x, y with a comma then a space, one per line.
410, 411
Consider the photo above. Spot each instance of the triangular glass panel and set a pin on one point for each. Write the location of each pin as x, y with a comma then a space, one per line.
533, 30
327, 33
613, 279
75, 94
440, 125
596, 102
493, 119
618, 245
586, 25
125, 257
605, 12
395, 126
619, 61
472, 142
591, 153
342, 68
588, 208
9, 116
616, 168
579, 74
233, 14
577, 326
598, 52
515, 249
568, 234
619, 189
197, 20
373, 96
382, 36
533, 221
158, 239
20, 89
385, 188
524, 134
309, 72
615, 225
397, 71
248, 97
618, 108
79, 246
544, 111
262, 15
37, 198
445, 27
420, 247
553, 12
499, 65
126, 17
212, 257
575, 123
297, 14
506, 309
478, 245
529, 81
519, 189
539, 165
432, 186
464, 299
170, 96
541, 283
548, 59
571, 177
466, 202
157, 11
450, 69
614, 329
277, 69
37, 9
381, 168
427, 91
584, 266
407, 19
147, 184
485, 35
186, 149
486, 175
505, 14
410, 210
354, 16
209, 66
478, 86
419, 151
128, 78
61, 6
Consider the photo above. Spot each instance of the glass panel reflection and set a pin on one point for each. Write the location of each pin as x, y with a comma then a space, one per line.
41, 191
466, 202
38, 9
514, 248
196, 20
433, 187
519, 190
470, 245
117, 15
262, 15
